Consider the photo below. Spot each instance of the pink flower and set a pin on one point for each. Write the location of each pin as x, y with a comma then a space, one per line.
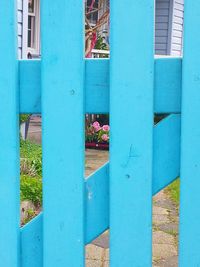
106, 128
105, 137
97, 129
96, 126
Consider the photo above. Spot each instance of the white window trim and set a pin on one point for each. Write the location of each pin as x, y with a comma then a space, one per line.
25, 48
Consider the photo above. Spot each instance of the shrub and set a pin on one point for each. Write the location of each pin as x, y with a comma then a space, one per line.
31, 172
24, 118
31, 189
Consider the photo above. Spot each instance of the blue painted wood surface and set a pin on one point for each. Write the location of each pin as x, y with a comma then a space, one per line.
166, 152
97, 203
131, 120
166, 167
30, 86
62, 74
9, 137
190, 142
63, 87
31, 237
167, 86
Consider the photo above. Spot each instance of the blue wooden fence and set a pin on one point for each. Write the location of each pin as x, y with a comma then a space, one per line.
144, 158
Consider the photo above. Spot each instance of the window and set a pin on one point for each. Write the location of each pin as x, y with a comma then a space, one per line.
31, 24
31, 35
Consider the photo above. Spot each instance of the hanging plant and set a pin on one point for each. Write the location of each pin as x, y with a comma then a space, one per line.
91, 32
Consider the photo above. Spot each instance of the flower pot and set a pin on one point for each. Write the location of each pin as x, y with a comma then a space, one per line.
100, 146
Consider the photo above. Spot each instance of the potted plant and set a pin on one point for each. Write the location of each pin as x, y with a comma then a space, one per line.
97, 136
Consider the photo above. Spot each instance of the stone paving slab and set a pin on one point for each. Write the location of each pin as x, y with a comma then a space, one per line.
102, 241
160, 237
164, 243
94, 263
34, 132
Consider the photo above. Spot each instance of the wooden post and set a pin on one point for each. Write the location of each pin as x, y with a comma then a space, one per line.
9, 137
190, 144
63, 132
131, 105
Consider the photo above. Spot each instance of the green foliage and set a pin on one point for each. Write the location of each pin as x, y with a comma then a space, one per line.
24, 118
174, 191
31, 189
31, 158
31, 172
100, 44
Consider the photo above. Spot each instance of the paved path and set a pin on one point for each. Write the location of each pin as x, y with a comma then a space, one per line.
34, 132
165, 226
165, 218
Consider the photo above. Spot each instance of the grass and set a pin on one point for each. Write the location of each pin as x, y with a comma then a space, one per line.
174, 191
30, 150
31, 155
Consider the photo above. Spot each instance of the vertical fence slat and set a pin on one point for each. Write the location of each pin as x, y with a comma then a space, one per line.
190, 143
131, 103
9, 137
63, 131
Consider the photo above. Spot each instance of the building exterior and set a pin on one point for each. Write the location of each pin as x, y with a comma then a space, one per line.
28, 28
169, 27
169, 16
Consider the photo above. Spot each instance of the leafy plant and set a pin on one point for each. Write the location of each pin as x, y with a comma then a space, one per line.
24, 118
100, 44
31, 189
31, 172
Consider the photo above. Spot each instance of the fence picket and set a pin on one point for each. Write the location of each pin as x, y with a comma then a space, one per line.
63, 131
190, 144
9, 137
131, 113
144, 158
167, 87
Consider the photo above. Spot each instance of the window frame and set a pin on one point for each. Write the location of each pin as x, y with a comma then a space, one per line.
34, 51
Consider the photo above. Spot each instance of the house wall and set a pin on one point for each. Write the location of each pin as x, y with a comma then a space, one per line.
20, 26
168, 27
162, 26
177, 28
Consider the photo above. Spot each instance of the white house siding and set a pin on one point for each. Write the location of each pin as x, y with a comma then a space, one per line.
177, 28
162, 31
20, 26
